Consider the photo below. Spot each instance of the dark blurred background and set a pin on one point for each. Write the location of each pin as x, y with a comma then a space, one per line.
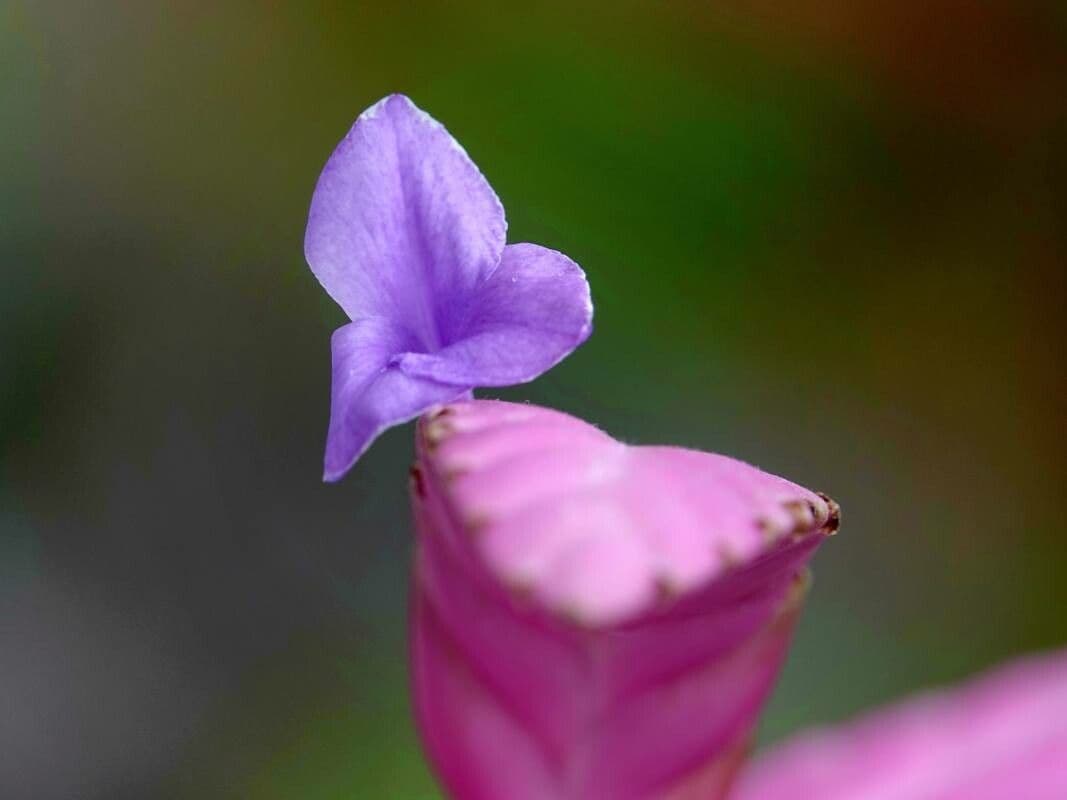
824, 237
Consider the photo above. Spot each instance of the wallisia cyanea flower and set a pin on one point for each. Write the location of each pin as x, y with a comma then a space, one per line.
592, 620
407, 236
597, 621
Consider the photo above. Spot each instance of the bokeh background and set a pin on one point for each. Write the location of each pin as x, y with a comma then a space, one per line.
825, 237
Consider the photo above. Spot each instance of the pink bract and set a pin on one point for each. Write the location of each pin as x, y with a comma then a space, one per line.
590, 619
1002, 737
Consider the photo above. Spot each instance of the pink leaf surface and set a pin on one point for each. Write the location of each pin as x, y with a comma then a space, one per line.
590, 619
1002, 737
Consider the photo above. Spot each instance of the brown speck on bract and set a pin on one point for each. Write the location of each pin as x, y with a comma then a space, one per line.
803, 514
418, 482
452, 474
666, 589
436, 432
771, 532
476, 524
440, 411
833, 521
728, 556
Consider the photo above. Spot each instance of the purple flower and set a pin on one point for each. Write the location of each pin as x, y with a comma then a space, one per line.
594, 621
407, 236
1003, 737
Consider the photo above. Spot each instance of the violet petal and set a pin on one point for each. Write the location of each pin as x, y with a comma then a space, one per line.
402, 224
530, 313
369, 393
407, 236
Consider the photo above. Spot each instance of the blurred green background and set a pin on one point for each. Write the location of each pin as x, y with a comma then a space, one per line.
824, 237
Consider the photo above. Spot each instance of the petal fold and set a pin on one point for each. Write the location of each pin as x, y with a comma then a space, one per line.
402, 224
369, 393
527, 316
